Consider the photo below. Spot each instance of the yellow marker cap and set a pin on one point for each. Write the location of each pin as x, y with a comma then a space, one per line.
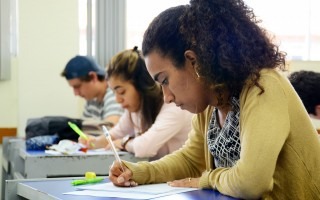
90, 175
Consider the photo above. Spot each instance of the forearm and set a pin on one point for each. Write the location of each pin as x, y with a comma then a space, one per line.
100, 142
170, 167
113, 119
185, 162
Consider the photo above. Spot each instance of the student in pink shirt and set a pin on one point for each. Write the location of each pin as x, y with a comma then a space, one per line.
148, 128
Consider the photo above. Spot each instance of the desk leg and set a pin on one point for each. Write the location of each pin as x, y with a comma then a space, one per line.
11, 190
3, 182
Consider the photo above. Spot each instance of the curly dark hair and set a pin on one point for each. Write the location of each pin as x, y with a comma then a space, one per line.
130, 66
224, 34
307, 85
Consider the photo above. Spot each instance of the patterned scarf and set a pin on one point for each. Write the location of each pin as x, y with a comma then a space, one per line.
224, 143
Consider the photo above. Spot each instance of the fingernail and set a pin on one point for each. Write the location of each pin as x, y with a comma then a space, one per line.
127, 183
120, 179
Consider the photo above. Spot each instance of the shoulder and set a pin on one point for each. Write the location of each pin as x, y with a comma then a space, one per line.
271, 76
272, 81
109, 93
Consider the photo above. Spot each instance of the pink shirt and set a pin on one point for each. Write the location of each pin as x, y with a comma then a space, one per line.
167, 134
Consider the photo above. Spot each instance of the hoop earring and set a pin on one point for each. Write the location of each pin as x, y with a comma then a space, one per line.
197, 73
196, 67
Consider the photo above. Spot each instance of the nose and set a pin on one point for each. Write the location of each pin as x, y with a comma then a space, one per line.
76, 92
167, 95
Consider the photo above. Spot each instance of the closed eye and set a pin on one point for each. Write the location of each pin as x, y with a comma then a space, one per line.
164, 82
121, 92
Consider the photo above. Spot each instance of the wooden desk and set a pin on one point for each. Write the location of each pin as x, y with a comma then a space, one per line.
50, 189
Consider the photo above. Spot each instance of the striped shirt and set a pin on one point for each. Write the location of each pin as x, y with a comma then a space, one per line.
101, 110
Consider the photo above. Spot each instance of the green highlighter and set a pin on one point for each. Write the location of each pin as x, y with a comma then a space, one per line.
87, 181
78, 131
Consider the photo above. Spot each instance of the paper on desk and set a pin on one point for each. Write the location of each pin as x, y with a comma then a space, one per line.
89, 152
139, 192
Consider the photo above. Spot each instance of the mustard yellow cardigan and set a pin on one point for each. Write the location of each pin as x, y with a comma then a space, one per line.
280, 149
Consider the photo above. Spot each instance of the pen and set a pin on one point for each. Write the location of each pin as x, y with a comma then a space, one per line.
87, 181
106, 132
79, 132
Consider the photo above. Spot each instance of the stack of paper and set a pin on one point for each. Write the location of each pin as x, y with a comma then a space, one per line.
138, 192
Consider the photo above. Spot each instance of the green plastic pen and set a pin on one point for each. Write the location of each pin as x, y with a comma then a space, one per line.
87, 181
79, 132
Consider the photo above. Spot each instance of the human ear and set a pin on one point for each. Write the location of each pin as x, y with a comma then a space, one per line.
93, 76
190, 56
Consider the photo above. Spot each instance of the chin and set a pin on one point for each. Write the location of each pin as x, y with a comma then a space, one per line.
196, 109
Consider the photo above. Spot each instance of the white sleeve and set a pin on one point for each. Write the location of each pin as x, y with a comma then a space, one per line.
170, 121
123, 128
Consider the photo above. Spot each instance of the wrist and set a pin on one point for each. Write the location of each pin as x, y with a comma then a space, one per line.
125, 141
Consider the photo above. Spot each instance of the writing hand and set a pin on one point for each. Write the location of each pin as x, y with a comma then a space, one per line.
94, 142
119, 177
90, 142
187, 182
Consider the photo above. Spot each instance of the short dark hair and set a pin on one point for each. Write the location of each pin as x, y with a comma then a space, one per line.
307, 85
80, 67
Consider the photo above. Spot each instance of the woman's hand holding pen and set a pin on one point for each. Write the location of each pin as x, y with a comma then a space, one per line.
119, 177
93, 142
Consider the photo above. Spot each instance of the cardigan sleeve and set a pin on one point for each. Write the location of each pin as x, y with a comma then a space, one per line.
188, 161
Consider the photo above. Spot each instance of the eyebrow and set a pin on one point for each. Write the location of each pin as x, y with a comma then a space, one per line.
117, 87
156, 76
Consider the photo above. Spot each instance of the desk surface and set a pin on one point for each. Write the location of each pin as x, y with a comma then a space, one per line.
54, 188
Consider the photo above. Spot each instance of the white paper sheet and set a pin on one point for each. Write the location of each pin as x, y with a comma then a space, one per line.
89, 152
139, 192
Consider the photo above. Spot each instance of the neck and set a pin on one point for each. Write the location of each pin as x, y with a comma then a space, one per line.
222, 113
102, 91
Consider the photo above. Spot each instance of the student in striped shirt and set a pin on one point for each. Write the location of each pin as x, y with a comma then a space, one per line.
87, 79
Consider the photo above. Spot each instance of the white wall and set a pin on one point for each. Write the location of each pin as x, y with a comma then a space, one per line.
304, 65
8, 100
48, 38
